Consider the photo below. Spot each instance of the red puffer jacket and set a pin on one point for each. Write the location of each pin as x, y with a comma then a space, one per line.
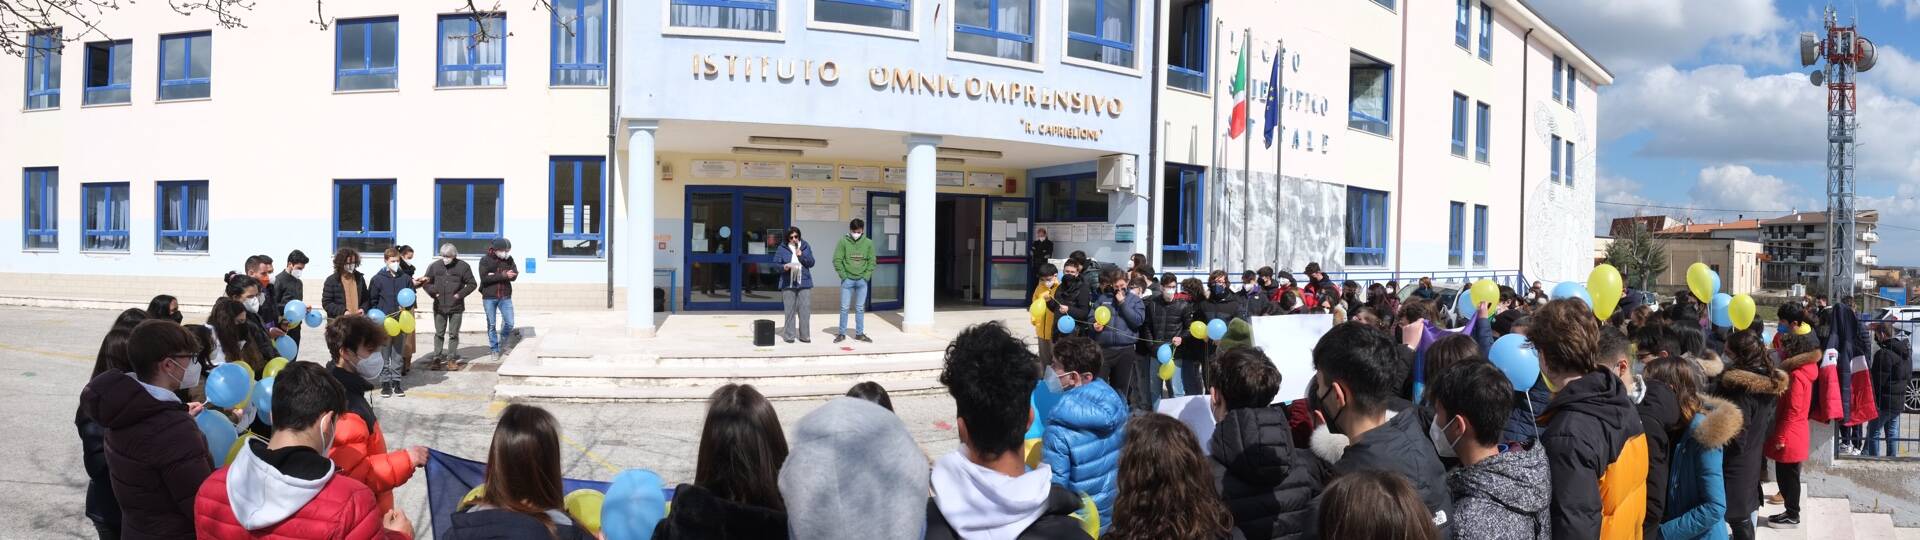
1787, 441
286, 494
359, 447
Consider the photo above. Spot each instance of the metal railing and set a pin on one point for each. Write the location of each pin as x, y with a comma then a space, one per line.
1897, 438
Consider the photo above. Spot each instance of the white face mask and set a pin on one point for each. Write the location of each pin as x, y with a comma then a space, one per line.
327, 444
1441, 444
393, 266
856, 236
369, 367
190, 377
1053, 381
506, 254
253, 304
295, 272
447, 259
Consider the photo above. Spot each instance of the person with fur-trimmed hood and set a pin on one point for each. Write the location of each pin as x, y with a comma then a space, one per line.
1749, 381
1788, 441
1696, 498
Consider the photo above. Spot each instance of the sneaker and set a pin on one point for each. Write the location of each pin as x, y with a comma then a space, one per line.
399, 391
839, 338
1850, 450
805, 340
386, 390
1784, 521
863, 337
1776, 499
789, 339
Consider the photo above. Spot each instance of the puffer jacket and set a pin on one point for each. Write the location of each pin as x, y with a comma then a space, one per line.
287, 494
1168, 317
1223, 307
805, 258
1660, 417
698, 513
1129, 316
1076, 294
1598, 454
359, 447
1755, 394
1892, 369
385, 287
1048, 322
1697, 490
1788, 440
1268, 484
1082, 442
156, 457
484, 523
102, 508
1400, 446
333, 295
1504, 497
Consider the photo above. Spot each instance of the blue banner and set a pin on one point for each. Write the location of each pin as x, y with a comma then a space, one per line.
450, 477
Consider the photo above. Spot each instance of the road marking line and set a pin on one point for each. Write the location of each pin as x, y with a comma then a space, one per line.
78, 358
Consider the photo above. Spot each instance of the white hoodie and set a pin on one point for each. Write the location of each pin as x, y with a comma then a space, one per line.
981, 503
262, 496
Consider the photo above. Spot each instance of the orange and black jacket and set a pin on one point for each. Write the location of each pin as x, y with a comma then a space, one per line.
1597, 453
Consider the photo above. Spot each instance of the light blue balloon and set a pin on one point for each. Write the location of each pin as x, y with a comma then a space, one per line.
1216, 329
1042, 401
1718, 310
227, 385
295, 311
1463, 304
1165, 354
315, 319
219, 433
263, 399
1514, 355
379, 317
1569, 289
406, 297
286, 347
635, 503
1065, 325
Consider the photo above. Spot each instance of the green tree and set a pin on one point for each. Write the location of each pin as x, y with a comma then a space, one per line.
1639, 256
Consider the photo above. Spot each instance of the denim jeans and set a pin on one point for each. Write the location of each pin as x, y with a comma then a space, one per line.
1883, 428
854, 292
504, 308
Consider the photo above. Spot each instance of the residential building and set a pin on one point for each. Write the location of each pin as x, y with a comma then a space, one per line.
1798, 248
1739, 229
1737, 262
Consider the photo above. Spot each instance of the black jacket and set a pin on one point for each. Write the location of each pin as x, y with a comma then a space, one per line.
699, 514
1057, 523
102, 507
494, 282
385, 288
449, 286
1226, 308
1589, 424
497, 524
1755, 394
1523, 423
1268, 485
1892, 368
333, 297
1076, 294
1399, 446
1168, 317
1660, 416
286, 289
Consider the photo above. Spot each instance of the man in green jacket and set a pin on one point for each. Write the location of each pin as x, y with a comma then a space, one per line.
853, 261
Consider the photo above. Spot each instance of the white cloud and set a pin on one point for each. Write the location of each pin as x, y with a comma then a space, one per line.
1895, 72
1773, 49
1737, 187
1912, 7
1629, 35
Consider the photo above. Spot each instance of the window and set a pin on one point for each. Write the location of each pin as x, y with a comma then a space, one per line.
363, 215
1456, 233
886, 14
1187, 51
748, 15
1071, 198
1369, 95
181, 217
1573, 86
996, 28
1486, 32
467, 213
1567, 176
1559, 71
1366, 227
43, 69
1101, 31
366, 54
579, 43
109, 73
1483, 128
1480, 235
41, 223
186, 66
473, 50
104, 217
1184, 204
1459, 125
577, 209
1463, 14
1554, 145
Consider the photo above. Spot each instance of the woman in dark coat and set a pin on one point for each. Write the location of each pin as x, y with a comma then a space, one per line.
345, 292
1753, 384
102, 508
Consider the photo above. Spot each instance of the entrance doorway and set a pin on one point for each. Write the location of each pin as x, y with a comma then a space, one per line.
957, 248
980, 249
732, 240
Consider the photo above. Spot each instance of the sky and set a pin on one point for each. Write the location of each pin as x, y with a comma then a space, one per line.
1710, 110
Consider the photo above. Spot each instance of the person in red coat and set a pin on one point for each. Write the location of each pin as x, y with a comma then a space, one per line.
284, 488
359, 447
1787, 442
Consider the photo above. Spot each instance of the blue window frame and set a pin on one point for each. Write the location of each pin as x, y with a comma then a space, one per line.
1184, 206
465, 59
885, 14
1366, 227
43, 69
104, 217
40, 212
1567, 175
747, 15
579, 43
109, 73
996, 28
1486, 32
1554, 145
1101, 31
1573, 87
1482, 130
1456, 233
186, 66
576, 206
363, 212
366, 54
467, 213
1187, 51
1369, 95
1462, 18
1074, 197
1559, 76
180, 215
1480, 235
1459, 125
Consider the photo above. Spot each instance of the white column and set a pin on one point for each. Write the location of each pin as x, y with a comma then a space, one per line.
639, 252
918, 286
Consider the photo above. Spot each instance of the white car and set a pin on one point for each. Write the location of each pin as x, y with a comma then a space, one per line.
1905, 330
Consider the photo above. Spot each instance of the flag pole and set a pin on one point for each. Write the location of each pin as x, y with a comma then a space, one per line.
1246, 171
1280, 124
1217, 159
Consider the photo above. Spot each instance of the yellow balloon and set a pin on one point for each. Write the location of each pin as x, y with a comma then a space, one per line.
1166, 371
393, 327
1741, 310
273, 367
1089, 517
473, 495
1032, 450
1700, 281
1604, 284
584, 505
1485, 292
406, 321
1038, 309
1102, 315
1802, 329
1198, 330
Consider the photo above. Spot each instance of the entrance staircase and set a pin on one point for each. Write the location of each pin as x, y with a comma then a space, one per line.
1825, 518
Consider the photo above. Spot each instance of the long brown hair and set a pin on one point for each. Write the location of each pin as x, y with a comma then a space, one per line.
1166, 487
230, 328
113, 348
1448, 352
1684, 376
523, 465
741, 448
1374, 505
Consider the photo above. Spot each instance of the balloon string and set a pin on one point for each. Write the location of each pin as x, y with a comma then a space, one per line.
1136, 337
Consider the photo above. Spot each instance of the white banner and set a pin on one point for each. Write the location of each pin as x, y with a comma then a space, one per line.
1288, 341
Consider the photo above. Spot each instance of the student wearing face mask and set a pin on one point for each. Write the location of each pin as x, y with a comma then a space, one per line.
498, 271
385, 288
156, 457
1046, 322
345, 292
1120, 335
1073, 297
164, 306
287, 287
1086, 430
796, 286
1498, 492
1040, 252
246, 290
1168, 314
1221, 303
267, 314
449, 282
359, 447
1362, 426
853, 261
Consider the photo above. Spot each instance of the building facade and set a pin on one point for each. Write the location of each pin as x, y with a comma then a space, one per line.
1797, 249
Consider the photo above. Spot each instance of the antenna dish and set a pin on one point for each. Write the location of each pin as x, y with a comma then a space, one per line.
1817, 77
1865, 57
1809, 49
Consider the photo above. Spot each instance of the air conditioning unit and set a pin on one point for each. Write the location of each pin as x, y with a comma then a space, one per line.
1117, 172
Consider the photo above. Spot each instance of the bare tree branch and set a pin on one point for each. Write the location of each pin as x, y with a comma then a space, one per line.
21, 20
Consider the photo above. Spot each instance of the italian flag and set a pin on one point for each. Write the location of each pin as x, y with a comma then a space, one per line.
1237, 126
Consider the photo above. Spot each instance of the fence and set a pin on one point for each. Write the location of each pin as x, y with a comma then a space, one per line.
1897, 438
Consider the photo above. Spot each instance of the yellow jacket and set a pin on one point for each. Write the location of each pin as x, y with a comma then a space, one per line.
1043, 324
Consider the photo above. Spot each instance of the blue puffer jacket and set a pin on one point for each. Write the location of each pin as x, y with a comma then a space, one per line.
1696, 488
1124, 327
806, 263
1082, 443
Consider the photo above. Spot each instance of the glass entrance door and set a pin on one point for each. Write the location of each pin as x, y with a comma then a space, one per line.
1008, 232
731, 234
886, 224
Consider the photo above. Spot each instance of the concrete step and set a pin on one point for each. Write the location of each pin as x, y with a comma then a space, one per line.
534, 370
1868, 526
1827, 519
602, 392
1906, 533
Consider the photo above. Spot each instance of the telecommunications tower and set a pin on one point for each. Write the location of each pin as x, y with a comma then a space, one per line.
1846, 53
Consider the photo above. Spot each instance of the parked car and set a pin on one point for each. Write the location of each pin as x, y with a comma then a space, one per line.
1910, 315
